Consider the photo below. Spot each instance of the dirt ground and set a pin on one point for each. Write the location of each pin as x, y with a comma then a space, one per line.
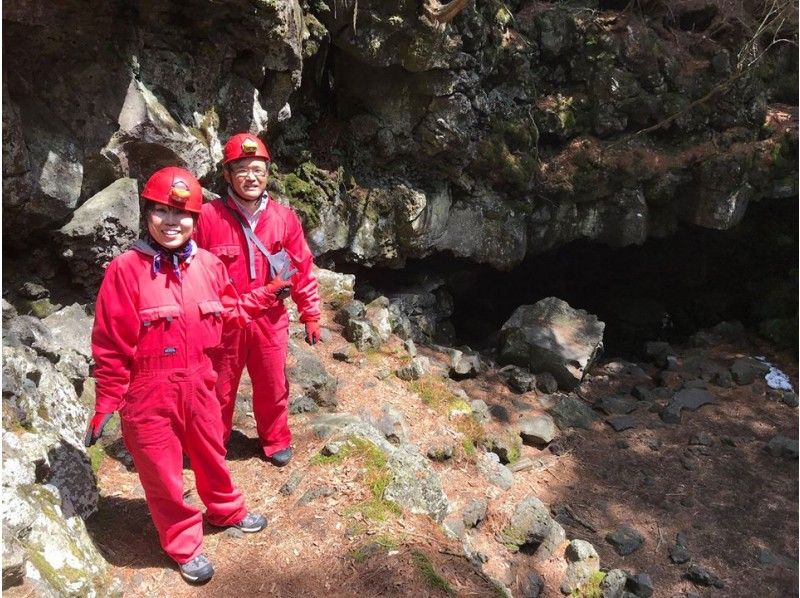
730, 499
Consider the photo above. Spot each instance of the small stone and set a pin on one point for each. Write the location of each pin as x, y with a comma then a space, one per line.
352, 310
624, 539
313, 494
616, 405
480, 410
531, 585
348, 354
383, 373
790, 398
678, 554
293, 482
410, 347
454, 527
520, 380
621, 422
474, 513
780, 446
703, 577
702, 438
745, 370
724, 379
440, 453
641, 585
642, 392
332, 448
613, 584
414, 370
672, 363
32, 290
302, 404
538, 431
571, 412
546, 383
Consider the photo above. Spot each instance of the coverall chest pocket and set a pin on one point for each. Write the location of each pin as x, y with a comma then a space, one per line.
211, 313
226, 253
159, 334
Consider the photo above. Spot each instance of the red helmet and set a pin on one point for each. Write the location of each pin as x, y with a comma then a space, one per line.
174, 187
245, 145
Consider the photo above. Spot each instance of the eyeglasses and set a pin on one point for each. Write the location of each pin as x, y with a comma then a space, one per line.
242, 173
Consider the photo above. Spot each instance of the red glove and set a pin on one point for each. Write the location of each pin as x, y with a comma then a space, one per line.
313, 332
95, 428
279, 287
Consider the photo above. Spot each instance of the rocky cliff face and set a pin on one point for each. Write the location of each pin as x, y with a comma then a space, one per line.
528, 124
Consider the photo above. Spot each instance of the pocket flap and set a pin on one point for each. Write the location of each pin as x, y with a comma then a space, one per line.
211, 306
151, 314
226, 250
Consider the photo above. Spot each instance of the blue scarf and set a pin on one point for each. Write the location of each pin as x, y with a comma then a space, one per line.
183, 254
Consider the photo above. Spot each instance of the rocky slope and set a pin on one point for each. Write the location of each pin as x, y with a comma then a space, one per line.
427, 470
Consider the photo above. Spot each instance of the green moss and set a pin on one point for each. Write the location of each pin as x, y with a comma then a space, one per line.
509, 152
376, 508
468, 446
96, 457
591, 589
432, 579
460, 406
472, 432
434, 394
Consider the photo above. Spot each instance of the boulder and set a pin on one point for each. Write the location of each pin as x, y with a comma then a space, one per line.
309, 377
550, 336
582, 562
537, 431
531, 527
98, 231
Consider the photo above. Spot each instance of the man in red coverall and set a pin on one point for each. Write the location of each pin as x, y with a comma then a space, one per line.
159, 312
243, 229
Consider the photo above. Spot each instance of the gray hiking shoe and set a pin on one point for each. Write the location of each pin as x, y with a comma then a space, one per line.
282, 457
198, 570
251, 523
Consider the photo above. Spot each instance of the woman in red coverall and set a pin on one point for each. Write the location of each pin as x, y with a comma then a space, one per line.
160, 309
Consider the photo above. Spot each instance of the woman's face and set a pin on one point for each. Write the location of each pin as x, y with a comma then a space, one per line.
169, 227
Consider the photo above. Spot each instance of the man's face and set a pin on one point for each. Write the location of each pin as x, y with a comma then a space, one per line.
248, 177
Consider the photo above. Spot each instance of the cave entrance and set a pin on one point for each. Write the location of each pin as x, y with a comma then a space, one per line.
664, 289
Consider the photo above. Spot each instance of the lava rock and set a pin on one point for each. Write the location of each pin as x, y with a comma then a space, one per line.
621, 422
780, 446
703, 577
640, 585
624, 539
745, 370
571, 412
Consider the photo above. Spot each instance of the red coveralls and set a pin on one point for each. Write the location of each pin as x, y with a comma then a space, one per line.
262, 344
150, 340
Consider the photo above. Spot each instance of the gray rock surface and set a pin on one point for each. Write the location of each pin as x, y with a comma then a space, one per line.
780, 446
537, 431
308, 376
571, 412
690, 399
582, 562
745, 370
550, 336
415, 369
489, 466
102, 228
474, 513
532, 526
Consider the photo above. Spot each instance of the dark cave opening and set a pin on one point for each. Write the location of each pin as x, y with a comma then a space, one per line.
665, 289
